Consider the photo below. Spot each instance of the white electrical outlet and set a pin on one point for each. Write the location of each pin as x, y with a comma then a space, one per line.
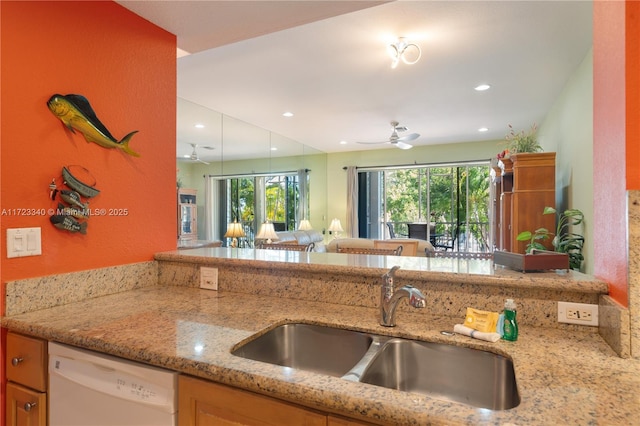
209, 278
578, 313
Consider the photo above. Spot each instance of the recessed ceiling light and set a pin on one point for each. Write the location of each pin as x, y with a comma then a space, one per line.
288, 114
273, 148
343, 142
199, 126
482, 87
483, 129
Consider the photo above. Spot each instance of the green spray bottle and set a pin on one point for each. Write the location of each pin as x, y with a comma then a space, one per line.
510, 323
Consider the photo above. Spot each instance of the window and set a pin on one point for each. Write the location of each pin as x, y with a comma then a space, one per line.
447, 204
253, 199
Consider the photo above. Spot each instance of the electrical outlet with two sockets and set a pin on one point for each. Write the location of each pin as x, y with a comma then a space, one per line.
578, 313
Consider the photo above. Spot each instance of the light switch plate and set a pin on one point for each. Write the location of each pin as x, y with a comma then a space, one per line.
23, 242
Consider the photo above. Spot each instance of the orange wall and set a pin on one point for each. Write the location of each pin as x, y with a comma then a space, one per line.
609, 147
632, 55
126, 67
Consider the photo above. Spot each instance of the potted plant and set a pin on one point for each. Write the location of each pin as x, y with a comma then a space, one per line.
564, 240
523, 141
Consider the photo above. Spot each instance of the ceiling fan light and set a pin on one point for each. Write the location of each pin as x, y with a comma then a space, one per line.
399, 50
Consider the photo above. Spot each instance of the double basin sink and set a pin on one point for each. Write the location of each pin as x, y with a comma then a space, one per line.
453, 373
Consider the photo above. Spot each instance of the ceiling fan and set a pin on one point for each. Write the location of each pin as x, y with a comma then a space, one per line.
194, 154
395, 140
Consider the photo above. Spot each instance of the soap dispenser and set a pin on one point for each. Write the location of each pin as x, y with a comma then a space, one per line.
510, 324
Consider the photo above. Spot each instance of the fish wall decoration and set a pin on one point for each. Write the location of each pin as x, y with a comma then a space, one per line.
76, 113
73, 212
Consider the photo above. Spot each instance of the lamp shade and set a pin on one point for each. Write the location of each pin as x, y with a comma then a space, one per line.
267, 232
305, 225
234, 230
336, 226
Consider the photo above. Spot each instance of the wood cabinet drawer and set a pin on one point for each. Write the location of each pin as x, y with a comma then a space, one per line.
27, 361
25, 407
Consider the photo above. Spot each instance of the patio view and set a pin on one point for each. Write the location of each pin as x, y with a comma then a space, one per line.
447, 205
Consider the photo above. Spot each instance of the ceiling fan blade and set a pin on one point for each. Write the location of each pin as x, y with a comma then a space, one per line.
201, 161
401, 145
208, 147
411, 137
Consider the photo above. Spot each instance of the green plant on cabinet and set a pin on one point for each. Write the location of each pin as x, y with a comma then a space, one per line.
520, 142
564, 240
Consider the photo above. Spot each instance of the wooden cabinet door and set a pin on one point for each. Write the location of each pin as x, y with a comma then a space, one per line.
25, 407
27, 361
202, 403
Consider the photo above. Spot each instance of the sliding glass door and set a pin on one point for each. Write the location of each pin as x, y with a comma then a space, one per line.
445, 204
251, 200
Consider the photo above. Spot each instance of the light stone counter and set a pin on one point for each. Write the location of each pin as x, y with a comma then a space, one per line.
563, 377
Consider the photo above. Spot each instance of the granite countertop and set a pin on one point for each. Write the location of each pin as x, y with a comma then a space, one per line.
563, 378
445, 270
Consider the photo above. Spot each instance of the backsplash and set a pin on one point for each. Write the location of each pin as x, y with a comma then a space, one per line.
33, 294
447, 296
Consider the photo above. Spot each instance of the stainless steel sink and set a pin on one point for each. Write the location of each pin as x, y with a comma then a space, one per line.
479, 378
327, 350
453, 373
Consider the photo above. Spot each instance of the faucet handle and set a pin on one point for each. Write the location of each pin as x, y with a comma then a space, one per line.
388, 277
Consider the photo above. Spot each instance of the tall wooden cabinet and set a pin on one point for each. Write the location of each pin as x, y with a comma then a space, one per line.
187, 215
528, 185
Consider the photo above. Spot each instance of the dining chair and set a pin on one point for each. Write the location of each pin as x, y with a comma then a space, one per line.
409, 248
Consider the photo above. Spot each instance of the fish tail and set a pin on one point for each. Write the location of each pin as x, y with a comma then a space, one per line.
83, 228
124, 144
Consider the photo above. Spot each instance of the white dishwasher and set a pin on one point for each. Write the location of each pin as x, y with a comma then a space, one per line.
88, 388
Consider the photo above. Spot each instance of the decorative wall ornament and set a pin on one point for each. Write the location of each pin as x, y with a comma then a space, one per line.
76, 113
72, 212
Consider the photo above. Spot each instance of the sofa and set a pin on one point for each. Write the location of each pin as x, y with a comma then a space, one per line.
303, 238
332, 246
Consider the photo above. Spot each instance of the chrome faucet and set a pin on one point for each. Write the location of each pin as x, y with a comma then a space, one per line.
389, 298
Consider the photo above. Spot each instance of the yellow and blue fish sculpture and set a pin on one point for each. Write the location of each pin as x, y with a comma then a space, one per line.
76, 113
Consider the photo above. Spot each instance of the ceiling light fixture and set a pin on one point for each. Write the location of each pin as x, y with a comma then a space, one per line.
199, 126
482, 87
483, 129
408, 53
288, 114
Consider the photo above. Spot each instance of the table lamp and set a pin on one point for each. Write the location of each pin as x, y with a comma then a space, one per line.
235, 231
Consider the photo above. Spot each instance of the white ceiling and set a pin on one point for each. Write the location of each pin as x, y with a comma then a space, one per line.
254, 60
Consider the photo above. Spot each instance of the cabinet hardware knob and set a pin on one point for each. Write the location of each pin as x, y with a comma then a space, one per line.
16, 360
29, 405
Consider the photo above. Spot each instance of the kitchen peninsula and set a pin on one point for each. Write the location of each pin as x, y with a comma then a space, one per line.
156, 314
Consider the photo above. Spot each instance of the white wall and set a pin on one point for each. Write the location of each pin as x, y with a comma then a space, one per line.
568, 130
